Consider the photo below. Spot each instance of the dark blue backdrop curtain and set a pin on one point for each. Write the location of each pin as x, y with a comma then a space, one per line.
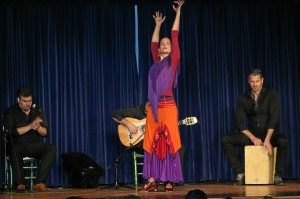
80, 60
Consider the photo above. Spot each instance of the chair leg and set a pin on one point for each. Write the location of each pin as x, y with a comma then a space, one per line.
31, 175
8, 173
31, 170
135, 170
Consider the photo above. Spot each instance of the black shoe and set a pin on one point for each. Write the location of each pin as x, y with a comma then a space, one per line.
278, 181
240, 179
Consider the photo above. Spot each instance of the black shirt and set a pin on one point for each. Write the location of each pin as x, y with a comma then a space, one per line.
262, 114
136, 112
14, 118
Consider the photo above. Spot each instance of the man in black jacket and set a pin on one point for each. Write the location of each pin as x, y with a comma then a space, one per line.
261, 108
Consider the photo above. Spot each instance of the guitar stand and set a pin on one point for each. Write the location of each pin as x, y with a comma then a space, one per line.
118, 161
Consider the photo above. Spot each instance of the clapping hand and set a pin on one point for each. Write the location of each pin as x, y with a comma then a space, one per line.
36, 123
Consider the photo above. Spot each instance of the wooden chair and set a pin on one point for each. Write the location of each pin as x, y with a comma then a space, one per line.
138, 160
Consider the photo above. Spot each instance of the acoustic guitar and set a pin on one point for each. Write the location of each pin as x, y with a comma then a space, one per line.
129, 139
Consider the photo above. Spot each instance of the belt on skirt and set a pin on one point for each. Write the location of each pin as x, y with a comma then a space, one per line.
165, 98
166, 101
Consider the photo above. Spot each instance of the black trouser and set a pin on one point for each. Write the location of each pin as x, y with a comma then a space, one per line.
230, 142
44, 152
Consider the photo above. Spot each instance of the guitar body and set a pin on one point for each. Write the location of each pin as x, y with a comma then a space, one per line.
129, 139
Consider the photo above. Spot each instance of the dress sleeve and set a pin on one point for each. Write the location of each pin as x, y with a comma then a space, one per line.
175, 54
154, 51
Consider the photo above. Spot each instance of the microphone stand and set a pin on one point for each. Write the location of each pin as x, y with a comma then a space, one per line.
118, 161
116, 164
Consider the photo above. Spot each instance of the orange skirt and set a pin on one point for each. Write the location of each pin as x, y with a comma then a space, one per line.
162, 135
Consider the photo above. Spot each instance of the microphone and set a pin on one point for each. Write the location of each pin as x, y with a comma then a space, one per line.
36, 109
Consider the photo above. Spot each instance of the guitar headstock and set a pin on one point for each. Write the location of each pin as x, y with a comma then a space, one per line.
188, 121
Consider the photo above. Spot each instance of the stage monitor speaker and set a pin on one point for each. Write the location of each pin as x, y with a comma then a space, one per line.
83, 172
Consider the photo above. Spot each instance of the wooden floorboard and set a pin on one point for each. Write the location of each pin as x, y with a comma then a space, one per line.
291, 189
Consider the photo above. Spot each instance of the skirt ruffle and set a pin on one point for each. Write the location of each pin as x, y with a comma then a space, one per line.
165, 170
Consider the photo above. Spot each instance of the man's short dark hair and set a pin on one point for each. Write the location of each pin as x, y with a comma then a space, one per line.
255, 72
24, 92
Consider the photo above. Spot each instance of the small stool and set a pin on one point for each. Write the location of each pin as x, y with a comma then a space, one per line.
259, 166
138, 160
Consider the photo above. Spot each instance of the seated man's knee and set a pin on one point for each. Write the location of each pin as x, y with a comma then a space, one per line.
52, 149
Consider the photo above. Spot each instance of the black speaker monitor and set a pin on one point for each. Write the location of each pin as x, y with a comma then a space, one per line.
83, 172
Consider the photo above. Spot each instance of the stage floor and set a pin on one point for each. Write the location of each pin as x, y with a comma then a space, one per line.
291, 189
